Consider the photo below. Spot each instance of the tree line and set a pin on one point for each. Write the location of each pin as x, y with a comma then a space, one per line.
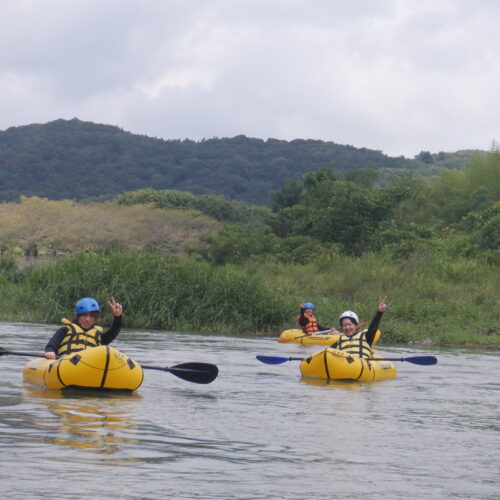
322, 213
83, 161
458, 214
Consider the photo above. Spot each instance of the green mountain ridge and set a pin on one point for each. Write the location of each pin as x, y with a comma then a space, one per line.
72, 159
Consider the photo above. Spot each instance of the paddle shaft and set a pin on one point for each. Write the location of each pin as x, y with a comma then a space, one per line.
304, 336
312, 334
320, 333
28, 354
418, 360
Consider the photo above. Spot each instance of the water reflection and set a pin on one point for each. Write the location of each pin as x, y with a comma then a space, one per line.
92, 421
334, 384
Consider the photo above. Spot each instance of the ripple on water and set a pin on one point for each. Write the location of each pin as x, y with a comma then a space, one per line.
256, 432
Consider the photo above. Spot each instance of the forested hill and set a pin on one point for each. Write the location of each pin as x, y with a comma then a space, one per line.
83, 160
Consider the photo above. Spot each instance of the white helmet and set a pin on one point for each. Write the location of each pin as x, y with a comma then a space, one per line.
350, 315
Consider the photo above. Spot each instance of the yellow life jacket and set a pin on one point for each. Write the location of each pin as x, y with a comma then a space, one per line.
77, 339
357, 344
311, 327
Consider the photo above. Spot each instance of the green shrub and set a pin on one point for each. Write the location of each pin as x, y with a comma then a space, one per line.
157, 292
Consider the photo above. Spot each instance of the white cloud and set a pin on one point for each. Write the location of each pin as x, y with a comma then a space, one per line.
395, 75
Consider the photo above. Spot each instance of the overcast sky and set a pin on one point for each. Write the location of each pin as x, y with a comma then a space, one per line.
400, 76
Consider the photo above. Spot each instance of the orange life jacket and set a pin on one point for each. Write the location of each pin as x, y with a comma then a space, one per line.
311, 327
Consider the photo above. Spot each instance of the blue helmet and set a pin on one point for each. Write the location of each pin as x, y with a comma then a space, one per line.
86, 305
308, 305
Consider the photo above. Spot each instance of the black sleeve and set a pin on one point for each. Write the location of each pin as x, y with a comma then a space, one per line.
322, 328
56, 339
302, 319
372, 329
109, 335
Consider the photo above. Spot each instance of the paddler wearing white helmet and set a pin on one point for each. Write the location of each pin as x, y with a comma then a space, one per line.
355, 342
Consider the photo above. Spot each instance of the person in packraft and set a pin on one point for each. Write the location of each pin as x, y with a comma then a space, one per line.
307, 321
83, 331
354, 342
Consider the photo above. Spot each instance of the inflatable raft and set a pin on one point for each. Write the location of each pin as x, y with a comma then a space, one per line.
101, 367
338, 365
300, 337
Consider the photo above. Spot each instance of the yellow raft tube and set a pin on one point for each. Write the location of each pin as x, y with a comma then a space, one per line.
338, 365
101, 367
300, 337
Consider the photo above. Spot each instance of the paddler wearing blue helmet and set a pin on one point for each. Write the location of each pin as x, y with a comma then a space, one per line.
83, 331
307, 320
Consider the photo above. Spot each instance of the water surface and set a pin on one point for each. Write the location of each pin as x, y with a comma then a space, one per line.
257, 432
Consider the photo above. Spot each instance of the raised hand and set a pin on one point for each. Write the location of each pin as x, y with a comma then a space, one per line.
382, 306
116, 308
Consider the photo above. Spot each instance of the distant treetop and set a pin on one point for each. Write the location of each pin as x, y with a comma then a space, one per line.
72, 159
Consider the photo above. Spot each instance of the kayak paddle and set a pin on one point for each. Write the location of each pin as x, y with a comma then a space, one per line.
324, 332
417, 360
275, 360
303, 336
29, 354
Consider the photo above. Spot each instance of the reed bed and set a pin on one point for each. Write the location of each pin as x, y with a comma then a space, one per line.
432, 300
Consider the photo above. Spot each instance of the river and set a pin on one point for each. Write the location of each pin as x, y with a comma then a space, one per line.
257, 432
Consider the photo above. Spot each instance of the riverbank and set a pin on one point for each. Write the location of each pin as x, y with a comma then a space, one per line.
432, 301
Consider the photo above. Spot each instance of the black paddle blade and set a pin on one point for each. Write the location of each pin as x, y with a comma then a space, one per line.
199, 373
417, 360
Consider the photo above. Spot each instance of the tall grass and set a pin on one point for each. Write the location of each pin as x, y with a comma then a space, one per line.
430, 298
157, 292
